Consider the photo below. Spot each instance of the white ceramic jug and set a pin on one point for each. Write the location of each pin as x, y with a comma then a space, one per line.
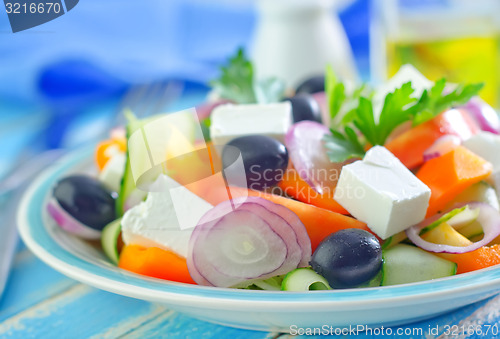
296, 39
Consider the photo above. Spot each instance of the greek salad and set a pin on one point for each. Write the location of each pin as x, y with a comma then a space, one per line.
327, 186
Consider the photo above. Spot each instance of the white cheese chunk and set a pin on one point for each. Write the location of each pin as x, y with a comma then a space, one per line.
166, 219
487, 146
406, 73
380, 191
231, 121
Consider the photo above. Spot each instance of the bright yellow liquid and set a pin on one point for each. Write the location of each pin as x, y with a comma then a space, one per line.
473, 59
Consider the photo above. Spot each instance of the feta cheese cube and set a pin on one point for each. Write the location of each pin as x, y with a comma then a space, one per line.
406, 73
231, 121
487, 146
380, 191
166, 219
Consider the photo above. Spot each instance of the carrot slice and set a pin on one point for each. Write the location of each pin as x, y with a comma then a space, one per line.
155, 262
319, 222
293, 185
450, 174
410, 146
107, 148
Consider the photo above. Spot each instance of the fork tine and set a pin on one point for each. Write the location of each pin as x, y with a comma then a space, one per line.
169, 93
148, 99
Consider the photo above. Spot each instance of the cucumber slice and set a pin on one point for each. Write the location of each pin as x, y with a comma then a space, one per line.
127, 183
464, 218
472, 230
271, 284
304, 279
394, 240
445, 218
374, 282
185, 134
481, 192
406, 264
109, 240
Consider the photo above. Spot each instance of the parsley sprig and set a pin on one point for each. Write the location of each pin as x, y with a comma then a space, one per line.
356, 127
237, 83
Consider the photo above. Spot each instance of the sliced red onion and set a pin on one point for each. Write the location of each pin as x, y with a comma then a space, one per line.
304, 142
294, 221
262, 207
290, 217
485, 116
320, 98
70, 224
231, 246
441, 146
488, 217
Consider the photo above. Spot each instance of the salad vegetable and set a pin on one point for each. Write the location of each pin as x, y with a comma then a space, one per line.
341, 186
238, 242
450, 174
293, 185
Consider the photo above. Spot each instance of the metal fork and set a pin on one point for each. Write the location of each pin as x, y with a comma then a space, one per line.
143, 100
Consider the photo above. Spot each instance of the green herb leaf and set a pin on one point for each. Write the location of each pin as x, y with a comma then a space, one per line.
461, 95
335, 92
236, 80
342, 147
394, 112
365, 121
433, 102
237, 83
269, 90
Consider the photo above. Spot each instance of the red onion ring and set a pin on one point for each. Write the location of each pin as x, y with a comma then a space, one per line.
441, 146
271, 242
488, 217
304, 142
484, 115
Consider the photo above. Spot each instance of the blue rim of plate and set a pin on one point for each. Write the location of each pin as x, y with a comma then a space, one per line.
37, 238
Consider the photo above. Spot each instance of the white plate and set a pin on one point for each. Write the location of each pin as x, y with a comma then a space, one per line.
257, 310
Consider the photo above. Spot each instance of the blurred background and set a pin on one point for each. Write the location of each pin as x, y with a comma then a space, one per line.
62, 82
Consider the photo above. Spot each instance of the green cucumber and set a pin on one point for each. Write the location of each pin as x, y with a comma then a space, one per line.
445, 218
374, 282
271, 284
407, 264
128, 183
304, 279
472, 231
480, 192
184, 127
109, 240
394, 240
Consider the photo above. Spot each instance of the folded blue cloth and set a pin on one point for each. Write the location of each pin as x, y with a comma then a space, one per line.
99, 49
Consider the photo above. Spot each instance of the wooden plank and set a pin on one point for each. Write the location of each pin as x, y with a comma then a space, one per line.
174, 325
30, 282
80, 312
